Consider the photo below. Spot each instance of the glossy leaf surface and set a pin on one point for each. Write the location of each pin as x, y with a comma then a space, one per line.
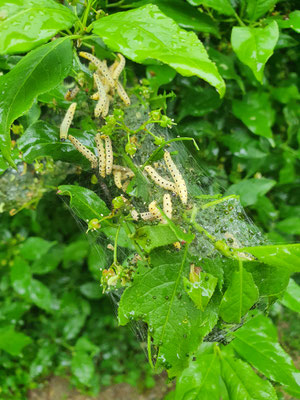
242, 382
256, 112
257, 8
254, 46
174, 322
250, 190
285, 256
39, 71
222, 6
42, 139
84, 202
257, 343
150, 34
200, 380
291, 298
240, 296
30, 23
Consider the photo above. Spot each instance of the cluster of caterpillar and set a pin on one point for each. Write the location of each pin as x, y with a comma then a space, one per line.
178, 186
106, 80
104, 160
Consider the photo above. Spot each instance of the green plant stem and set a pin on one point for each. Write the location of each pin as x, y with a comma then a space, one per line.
149, 349
116, 243
156, 151
136, 246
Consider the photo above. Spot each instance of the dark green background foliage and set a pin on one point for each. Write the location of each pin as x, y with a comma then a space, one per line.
236, 93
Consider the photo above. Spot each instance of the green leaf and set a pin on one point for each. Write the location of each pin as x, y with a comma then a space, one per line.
39, 294
200, 380
35, 247
225, 64
83, 344
11, 341
256, 8
28, 24
84, 202
289, 225
49, 261
285, 256
97, 259
256, 112
82, 367
257, 343
149, 237
20, 276
198, 101
254, 46
150, 34
176, 325
222, 6
91, 290
240, 296
77, 250
271, 281
39, 71
42, 139
159, 75
43, 359
291, 298
293, 21
242, 382
184, 15
201, 290
250, 190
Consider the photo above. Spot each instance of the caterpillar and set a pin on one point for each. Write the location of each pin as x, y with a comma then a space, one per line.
160, 181
123, 95
72, 93
119, 67
105, 108
117, 179
100, 65
167, 205
124, 170
155, 211
109, 154
101, 155
176, 175
84, 151
102, 96
66, 123
134, 215
147, 216
125, 185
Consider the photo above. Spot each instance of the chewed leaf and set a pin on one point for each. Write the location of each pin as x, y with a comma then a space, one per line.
175, 324
150, 34
202, 290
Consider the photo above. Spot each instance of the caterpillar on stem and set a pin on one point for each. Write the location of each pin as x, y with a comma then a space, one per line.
159, 180
176, 175
117, 179
72, 93
101, 155
155, 211
119, 67
66, 123
109, 154
102, 96
84, 151
147, 216
123, 95
167, 205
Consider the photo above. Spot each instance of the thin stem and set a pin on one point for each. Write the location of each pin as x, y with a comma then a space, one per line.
149, 349
116, 243
136, 246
